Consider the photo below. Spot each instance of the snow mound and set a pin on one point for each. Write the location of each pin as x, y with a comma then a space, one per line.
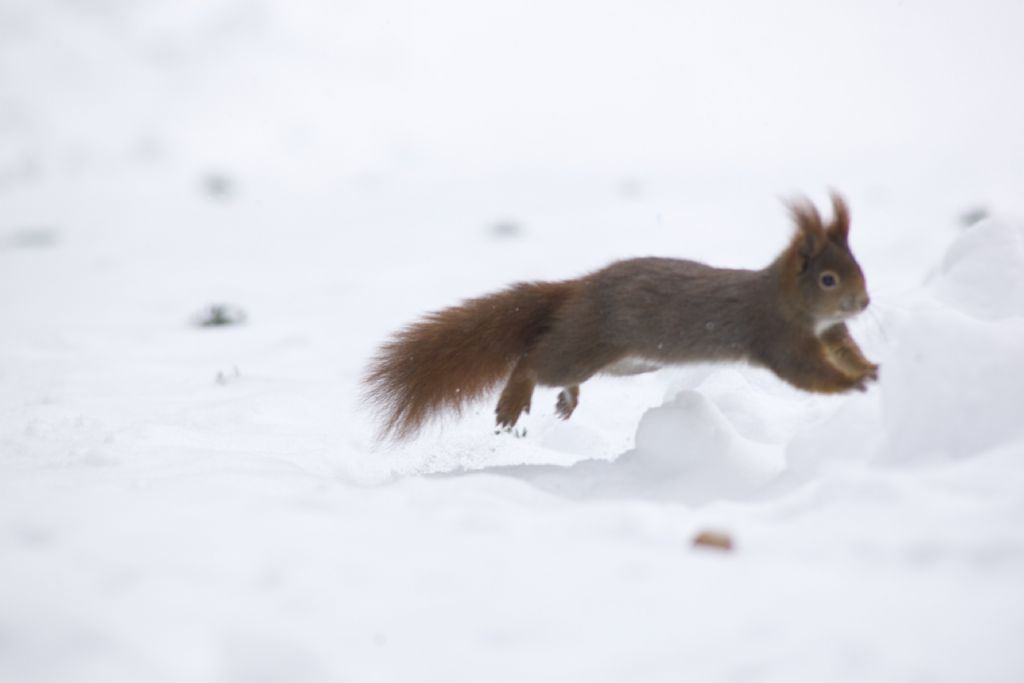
983, 271
686, 451
951, 384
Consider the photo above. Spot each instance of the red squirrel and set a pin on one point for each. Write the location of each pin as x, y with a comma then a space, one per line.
633, 316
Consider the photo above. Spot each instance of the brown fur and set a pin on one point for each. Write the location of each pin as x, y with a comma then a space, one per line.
658, 310
455, 356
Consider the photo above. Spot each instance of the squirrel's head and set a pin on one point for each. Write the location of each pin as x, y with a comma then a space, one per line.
823, 275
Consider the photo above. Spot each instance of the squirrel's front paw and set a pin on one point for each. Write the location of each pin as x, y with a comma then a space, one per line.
872, 372
855, 380
868, 374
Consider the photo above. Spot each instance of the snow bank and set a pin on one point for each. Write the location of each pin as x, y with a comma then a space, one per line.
953, 377
982, 274
686, 451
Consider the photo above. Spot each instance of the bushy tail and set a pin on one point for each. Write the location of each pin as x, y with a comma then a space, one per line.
454, 356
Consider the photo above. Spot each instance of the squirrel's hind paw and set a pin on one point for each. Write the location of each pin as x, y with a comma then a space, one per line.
568, 399
518, 433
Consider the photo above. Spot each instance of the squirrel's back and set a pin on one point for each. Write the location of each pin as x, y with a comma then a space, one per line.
666, 310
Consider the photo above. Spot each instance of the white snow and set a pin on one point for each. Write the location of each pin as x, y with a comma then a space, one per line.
185, 503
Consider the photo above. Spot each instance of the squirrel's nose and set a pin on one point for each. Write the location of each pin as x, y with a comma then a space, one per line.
856, 302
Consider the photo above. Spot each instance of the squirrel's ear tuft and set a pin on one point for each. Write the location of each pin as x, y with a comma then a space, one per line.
810, 237
839, 229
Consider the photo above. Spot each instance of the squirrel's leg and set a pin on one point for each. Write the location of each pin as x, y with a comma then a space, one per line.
846, 354
568, 399
807, 366
515, 398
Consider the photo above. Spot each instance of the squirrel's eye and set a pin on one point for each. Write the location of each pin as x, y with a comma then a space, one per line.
829, 279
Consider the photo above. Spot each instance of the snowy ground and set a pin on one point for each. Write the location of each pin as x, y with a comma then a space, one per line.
180, 503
